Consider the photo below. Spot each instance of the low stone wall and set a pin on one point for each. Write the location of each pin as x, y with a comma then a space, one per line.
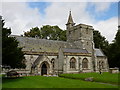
22, 72
86, 70
114, 70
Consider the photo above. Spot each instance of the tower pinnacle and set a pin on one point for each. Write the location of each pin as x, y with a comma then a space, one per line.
70, 20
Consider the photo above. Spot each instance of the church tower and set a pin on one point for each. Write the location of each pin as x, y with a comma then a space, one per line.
70, 22
69, 25
81, 35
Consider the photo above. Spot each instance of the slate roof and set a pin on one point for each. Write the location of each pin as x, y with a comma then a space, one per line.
69, 50
98, 52
42, 45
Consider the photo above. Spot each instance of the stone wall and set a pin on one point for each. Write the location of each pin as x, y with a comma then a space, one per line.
114, 70
61, 65
103, 59
82, 36
78, 65
29, 60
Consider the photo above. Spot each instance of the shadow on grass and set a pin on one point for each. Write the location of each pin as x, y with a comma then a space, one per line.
11, 79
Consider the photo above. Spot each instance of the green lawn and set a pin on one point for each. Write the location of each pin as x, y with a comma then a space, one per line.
104, 77
50, 82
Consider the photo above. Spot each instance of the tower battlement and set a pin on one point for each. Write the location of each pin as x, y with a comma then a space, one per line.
81, 26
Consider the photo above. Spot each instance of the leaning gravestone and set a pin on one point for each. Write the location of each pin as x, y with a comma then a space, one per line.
89, 79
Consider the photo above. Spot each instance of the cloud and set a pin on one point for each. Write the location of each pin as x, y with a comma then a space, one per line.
108, 28
20, 17
101, 6
60, 0
57, 13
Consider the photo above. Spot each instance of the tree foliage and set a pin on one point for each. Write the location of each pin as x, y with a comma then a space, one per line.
100, 41
114, 51
47, 32
11, 53
33, 32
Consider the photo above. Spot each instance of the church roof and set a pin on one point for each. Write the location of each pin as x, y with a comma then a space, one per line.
72, 50
98, 52
42, 45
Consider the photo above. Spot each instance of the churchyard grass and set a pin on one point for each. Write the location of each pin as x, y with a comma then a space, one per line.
105, 77
50, 82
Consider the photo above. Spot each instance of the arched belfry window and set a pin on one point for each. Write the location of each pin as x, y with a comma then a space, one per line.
53, 63
85, 63
72, 62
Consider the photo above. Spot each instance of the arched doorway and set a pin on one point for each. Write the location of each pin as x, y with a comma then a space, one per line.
44, 69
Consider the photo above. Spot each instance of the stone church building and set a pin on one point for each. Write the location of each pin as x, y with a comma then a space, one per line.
75, 55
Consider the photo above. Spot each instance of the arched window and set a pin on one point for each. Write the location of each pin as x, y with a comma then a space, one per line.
85, 63
53, 63
72, 62
101, 64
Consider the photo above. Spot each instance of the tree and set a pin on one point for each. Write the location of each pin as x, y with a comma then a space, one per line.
63, 36
11, 53
114, 51
100, 42
47, 32
33, 32
1, 40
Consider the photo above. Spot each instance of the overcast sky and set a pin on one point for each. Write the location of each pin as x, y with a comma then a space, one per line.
21, 16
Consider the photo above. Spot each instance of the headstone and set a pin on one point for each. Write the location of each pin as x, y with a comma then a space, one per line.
89, 79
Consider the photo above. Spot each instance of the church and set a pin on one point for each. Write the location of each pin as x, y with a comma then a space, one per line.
76, 55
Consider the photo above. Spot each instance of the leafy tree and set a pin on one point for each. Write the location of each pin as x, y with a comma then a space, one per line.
33, 32
114, 51
100, 41
63, 35
11, 53
0, 40
47, 32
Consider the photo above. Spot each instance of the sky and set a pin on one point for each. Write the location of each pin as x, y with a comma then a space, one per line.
22, 16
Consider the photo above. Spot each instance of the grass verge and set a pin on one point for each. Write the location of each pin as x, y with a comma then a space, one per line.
50, 82
104, 77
